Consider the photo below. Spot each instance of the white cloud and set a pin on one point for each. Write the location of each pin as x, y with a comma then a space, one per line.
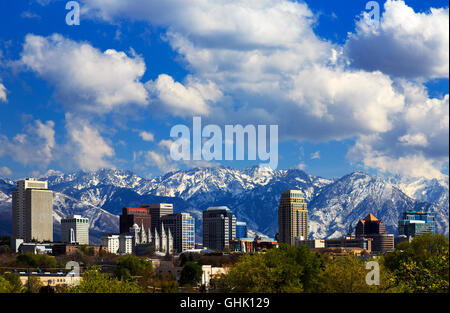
5, 171
301, 166
414, 140
147, 136
417, 145
33, 147
3, 93
260, 62
159, 160
85, 78
406, 44
166, 144
315, 155
86, 146
182, 100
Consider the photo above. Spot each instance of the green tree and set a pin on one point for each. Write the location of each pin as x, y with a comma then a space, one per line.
275, 271
37, 260
348, 275
5, 286
130, 265
33, 284
421, 266
95, 282
14, 282
169, 284
191, 274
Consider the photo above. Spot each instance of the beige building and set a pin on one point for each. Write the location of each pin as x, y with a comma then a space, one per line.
32, 211
292, 217
75, 229
51, 279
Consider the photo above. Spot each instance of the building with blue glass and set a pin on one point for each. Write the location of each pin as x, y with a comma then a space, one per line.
416, 223
241, 230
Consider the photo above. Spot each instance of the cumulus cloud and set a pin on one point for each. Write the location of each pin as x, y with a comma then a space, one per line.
147, 136
406, 43
3, 93
86, 146
182, 100
260, 62
35, 146
5, 171
86, 79
315, 155
417, 145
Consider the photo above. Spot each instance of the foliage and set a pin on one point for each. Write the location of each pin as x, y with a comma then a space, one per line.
33, 284
14, 282
5, 286
130, 265
421, 266
168, 284
275, 271
191, 274
348, 275
37, 260
95, 282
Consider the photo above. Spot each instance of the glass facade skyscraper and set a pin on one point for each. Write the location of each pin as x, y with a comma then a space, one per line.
416, 223
241, 230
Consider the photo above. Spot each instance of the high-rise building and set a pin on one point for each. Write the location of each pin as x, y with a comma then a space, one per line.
32, 211
131, 216
112, 242
371, 227
157, 210
241, 230
416, 223
75, 229
182, 227
219, 227
292, 217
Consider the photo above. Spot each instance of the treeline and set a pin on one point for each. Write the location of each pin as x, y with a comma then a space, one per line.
421, 266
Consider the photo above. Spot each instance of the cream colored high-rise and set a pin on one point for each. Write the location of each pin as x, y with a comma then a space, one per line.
32, 211
292, 217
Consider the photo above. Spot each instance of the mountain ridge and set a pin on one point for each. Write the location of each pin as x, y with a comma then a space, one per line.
252, 194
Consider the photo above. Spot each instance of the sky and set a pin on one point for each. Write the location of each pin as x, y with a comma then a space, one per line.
348, 91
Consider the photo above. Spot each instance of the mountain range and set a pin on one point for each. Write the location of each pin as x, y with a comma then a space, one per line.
252, 194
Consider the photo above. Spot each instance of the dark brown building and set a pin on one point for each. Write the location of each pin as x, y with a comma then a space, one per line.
157, 210
131, 216
370, 225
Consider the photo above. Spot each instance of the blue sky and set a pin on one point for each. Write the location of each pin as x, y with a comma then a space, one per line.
106, 93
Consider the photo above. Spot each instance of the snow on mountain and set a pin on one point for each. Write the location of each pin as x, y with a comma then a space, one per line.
430, 190
253, 194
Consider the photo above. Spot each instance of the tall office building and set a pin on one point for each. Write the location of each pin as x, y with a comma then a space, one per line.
157, 210
131, 216
32, 211
416, 223
75, 229
292, 217
241, 230
371, 227
182, 227
219, 227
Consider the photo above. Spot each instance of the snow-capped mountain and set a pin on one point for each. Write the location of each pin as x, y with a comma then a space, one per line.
253, 194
